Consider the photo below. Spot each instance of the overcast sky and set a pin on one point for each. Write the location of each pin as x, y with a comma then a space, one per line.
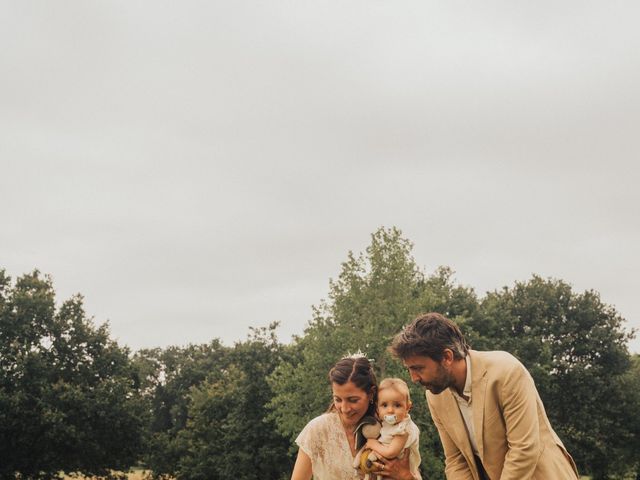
194, 168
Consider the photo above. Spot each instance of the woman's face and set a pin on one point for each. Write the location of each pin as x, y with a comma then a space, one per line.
351, 403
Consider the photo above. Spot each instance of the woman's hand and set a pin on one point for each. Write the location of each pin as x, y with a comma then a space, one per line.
396, 469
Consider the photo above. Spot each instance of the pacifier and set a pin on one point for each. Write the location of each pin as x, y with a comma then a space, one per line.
390, 419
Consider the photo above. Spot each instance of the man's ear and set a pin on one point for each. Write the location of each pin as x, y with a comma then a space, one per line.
447, 356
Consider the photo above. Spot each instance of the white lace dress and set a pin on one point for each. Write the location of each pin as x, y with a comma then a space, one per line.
323, 439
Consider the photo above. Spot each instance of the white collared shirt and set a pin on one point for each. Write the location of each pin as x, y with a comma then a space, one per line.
465, 406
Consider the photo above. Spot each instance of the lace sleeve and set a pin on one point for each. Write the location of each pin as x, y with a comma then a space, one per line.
306, 439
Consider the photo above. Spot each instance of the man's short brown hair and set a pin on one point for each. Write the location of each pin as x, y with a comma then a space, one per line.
428, 336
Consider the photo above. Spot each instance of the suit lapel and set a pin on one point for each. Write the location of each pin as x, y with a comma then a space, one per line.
478, 390
457, 428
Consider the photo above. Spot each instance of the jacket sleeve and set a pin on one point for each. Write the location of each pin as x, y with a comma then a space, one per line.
518, 401
456, 466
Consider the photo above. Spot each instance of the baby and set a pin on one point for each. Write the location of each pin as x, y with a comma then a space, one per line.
398, 430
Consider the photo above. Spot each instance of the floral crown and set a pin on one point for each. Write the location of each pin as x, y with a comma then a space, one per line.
358, 354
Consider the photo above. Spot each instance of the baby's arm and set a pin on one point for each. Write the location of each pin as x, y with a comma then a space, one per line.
392, 450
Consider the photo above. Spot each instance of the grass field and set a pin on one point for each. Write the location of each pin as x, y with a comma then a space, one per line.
135, 474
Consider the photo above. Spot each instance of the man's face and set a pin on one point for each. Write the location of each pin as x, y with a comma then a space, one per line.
434, 376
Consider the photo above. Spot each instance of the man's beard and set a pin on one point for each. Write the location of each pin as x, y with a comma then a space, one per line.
443, 380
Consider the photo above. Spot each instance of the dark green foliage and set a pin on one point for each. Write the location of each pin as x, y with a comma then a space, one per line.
575, 348
208, 407
166, 378
67, 400
627, 414
228, 434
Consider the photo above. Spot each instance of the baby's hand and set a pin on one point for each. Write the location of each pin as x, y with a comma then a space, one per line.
372, 443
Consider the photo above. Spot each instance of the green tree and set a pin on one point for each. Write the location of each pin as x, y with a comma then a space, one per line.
228, 433
166, 377
629, 415
375, 295
206, 408
575, 347
67, 399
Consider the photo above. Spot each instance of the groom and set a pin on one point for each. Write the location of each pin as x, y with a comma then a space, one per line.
489, 415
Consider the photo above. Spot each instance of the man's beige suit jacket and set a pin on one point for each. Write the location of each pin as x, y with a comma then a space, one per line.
514, 437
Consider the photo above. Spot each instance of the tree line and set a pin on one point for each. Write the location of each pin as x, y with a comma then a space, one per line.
73, 400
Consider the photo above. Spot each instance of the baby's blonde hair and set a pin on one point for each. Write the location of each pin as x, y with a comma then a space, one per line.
396, 384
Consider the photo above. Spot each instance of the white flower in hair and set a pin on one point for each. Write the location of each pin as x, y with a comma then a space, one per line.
358, 354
